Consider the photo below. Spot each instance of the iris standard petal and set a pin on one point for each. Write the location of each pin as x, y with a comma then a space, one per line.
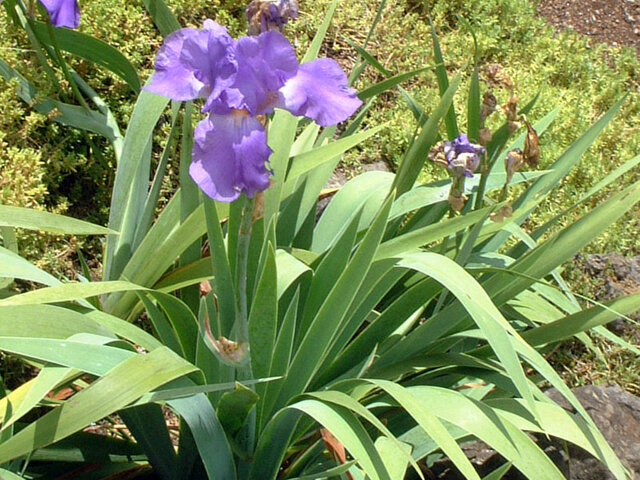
320, 91
194, 63
230, 156
63, 13
264, 63
463, 157
213, 64
461, 144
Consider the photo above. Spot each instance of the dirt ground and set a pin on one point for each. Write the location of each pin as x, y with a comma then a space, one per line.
615, 22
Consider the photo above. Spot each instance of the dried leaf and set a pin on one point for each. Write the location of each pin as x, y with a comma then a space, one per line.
228, 351
336, 449
205, 288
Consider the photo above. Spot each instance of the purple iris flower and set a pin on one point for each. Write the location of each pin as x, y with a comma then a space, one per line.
265, 15
463, 156
63, 13
242, 81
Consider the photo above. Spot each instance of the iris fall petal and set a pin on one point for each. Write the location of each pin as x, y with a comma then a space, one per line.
320, 91
63, 13
230, 156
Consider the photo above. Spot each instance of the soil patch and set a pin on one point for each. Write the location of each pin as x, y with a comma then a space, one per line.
615, 22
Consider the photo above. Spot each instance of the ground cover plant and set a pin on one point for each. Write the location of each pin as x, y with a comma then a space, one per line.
410, 317
43, 166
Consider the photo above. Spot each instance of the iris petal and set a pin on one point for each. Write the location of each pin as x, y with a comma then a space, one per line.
265, 63
241, 81
63, 13
320, 91
230, 155
194, 63
463, 156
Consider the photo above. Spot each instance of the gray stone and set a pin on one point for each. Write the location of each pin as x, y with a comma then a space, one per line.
615, 276
615, 412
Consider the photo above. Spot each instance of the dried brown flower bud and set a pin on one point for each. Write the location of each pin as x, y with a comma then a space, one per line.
513, 163
531, 148
497, 77
484, 136
500, 215
265, 15
457, 201
489, 105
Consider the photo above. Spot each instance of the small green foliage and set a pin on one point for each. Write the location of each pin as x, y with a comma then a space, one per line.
75, 169
582, 80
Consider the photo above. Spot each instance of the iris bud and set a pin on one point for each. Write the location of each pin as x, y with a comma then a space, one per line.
265, 15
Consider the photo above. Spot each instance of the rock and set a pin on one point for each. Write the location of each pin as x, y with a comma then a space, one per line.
615, 276
625, 269
617, 414
380, 166
614, 411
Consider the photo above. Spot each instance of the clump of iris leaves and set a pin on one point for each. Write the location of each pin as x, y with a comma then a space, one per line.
381, 336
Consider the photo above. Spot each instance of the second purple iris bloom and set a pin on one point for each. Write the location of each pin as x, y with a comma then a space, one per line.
241, 81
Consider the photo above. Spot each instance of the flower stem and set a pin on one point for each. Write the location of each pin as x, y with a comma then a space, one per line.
485, 169
242, 258
246, 436
504, 192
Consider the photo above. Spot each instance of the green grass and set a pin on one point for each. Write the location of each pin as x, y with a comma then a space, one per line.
579, 366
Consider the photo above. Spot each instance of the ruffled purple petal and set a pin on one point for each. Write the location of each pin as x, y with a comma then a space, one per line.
194, 63
63, 13
449, 151
214, 65
320, 91
230, 156
264, 63
461, 144
463, 156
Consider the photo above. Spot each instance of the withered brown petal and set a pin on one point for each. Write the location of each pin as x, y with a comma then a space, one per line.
531, 151
500, 215
489, 105
496, 76
484, 136
510, 109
